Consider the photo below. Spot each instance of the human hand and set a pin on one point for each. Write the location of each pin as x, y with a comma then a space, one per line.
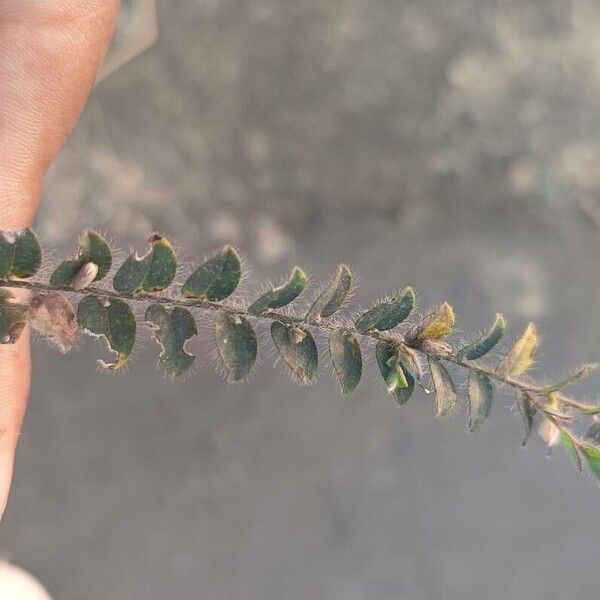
50, 52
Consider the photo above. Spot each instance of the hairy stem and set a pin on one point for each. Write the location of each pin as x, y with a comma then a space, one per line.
523, 386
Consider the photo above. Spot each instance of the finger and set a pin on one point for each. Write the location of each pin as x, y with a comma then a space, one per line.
50, 53
15, 371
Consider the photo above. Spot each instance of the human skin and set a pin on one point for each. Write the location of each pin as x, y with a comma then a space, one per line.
50, 53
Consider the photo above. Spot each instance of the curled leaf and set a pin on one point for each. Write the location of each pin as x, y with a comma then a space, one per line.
387, 315
20, 253
332, 298
172, 328
521, 356
445, 392
398, 378
527, 412
13, 317
434, 326
236, 342
486, 342
411, 361
112, 319
300, 355
216, 279
480, 399
152, 272
571, 447
281, 295
580, 374
93, 248
52, 315
346, 357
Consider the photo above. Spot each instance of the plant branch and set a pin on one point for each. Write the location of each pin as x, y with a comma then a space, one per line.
290, 319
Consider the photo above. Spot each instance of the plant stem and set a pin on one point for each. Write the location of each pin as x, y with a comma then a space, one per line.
207, 305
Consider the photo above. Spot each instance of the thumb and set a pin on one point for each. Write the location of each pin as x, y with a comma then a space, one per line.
50, 52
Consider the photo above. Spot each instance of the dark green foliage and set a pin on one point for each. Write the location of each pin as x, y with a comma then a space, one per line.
113, 319
216, 279
387, 315
280, 296
445, 392
13, 318
346, 357
93, 248
237, 345
172, 328
527, 412
398, 379
486, 342
7, 257
401, 355
480, 399
20, 254
297, 348
571, 448
149, 273
332, 298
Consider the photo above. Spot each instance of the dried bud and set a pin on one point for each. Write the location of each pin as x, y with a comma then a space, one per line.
549, 432
297, 334
52, 315
85, 275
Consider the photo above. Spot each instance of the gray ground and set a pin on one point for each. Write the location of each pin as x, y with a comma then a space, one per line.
451, 145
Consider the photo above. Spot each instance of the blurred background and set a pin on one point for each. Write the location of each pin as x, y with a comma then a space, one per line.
450, 145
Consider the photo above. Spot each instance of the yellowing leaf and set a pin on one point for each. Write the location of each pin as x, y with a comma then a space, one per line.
435, 325
522, 355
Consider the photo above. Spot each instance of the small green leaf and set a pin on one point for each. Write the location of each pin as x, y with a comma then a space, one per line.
486, 342
216, 279
580, 374
20, 253
445, 392
152, 272
93, 248
171, 328
571, 448
346, 357
527, 412
297, 348
13, 317
480, 399
387, 315
28, 254
398, 378
332, 298
282, 295
114, 320
237, 345
521, 356
592, 457
7, 256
